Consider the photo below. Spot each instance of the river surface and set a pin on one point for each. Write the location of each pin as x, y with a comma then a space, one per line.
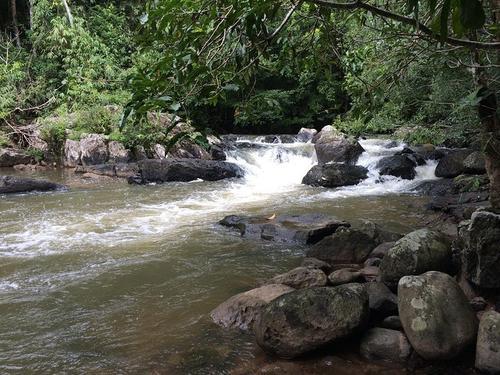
120, 279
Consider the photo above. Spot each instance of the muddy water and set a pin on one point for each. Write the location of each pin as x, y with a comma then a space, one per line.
112, 278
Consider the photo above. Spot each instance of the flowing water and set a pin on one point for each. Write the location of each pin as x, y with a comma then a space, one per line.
112, 278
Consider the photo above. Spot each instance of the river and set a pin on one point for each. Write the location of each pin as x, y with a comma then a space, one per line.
115, 278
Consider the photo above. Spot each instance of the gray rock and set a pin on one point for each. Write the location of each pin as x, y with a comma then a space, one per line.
167, 170
370, 273
398, 166
452, 164
93, 149
385, 344
382, 301
378, 233
436, 315
488, 343
306, 135
475, 163
72, 153
344, 246
241, 310
303, 229
381, 250
372, 262
392, 322
307, 319
10, 157
159, 152
419, 251
188, 149
318, 264
481, 250
11, 184
118, 153
335, 175
344, 276
301, 277
334, 146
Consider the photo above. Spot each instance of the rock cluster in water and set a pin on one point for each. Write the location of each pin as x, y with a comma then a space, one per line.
412, 299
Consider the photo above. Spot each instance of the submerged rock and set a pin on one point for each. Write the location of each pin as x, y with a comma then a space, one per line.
398, 166
488, 343
11, 184
167, 170
241, 310
301, 277
436, 315
385, 344
343, 247
307, 319
419, 251
481, 248
303, 229
335, 175
10, 157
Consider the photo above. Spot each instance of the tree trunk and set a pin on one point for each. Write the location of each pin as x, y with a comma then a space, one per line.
68, 12
13, 12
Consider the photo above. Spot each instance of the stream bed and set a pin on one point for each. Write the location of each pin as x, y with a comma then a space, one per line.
114, 278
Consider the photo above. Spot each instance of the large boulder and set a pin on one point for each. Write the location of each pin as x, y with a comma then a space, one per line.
10, 157
118, 153
241, 310
72, 153
480, 238
166, 170
345, 246
452, 164
189, 149
303, 229
334, 146
488, 343
475, 163
11, 184
398, 166
301, 277
418, 252
306, 135
93, 149
307, 319
335, 175
436, 315
385, 344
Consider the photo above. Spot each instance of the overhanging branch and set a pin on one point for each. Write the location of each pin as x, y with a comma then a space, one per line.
405, 20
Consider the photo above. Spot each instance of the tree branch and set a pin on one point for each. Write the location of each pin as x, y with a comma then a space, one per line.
405, 20
285, 20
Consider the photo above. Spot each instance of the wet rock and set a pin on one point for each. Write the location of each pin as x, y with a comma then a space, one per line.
303, 229
452, 164
217, 153
385, 344
398, 166
436, 315
318, 264
10, 157
344, 276
418, 252
271, 139
307, 319
335, 175
332, 145
126, 170
488, 343
11, 184
435, 187
72, 153
475, 163
166, 170
381, 250
118, 153
377, 233
382, 301
139, 153
392, 322
344, 246
301, 277
99, 169
306, 135
241, 310
481, 255
93, 149
159, 152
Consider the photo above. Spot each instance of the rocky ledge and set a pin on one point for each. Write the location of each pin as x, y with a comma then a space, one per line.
415, 300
